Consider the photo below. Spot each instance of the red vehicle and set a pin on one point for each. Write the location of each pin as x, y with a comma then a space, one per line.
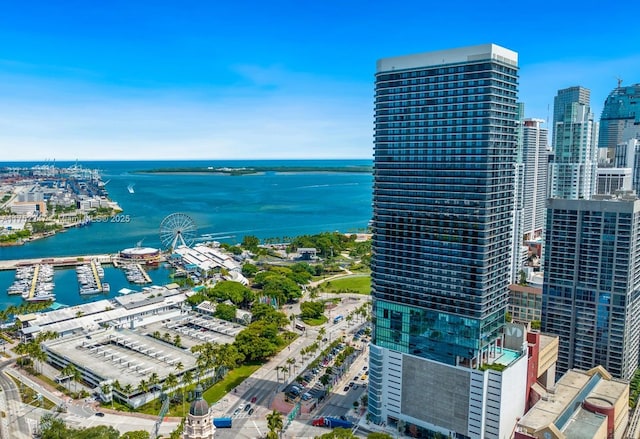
254, 399
318, 422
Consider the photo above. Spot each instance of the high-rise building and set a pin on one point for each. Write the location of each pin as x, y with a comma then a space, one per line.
532, 161
575, 153
591, 292
566, 97
443, 200
536, 160
621, 110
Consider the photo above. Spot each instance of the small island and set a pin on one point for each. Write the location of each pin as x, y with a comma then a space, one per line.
257, 169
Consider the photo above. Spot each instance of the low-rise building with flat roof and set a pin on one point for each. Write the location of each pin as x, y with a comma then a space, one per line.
582, 405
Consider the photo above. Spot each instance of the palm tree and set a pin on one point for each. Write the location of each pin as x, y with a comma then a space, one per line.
291, 362
275, 424
156, 334
66, 373
77, 378
37, 354
153, 380
143, 386
325, 379
177, 341
169, 385
107, 388
187, 379
284, 370
128, 389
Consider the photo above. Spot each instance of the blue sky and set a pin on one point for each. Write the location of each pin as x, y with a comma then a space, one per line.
266, 79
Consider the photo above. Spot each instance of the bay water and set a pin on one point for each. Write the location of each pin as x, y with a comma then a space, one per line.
223, 207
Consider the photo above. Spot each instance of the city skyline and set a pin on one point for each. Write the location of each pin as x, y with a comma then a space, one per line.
261, 80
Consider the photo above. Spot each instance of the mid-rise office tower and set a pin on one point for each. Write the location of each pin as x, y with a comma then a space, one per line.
575, 153
621, 111
591, 293
443, 199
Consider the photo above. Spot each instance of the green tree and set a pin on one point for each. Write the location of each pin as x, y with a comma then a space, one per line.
275, 423
249, 270
379, 436
282, 288
266, 313
233, 291
137, 434
258, 341
311, 310
338, 433
250, 242
225, 312
325, 379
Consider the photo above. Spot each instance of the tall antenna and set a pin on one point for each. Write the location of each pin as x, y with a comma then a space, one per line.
619, 79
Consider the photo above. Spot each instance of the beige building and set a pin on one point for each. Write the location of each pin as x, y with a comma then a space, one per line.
582, 405
199, 422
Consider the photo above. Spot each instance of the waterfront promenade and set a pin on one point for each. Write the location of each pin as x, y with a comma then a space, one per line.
64, 261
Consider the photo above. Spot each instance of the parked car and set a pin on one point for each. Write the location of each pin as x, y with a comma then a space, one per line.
100, 414
346, 389
247, 407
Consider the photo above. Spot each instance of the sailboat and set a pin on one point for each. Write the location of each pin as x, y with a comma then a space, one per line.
130, 188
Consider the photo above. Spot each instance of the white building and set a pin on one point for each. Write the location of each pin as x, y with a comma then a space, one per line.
575, 150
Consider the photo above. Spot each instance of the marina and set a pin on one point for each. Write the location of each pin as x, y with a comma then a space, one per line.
41, 288
90, 278
33, 283
136, 274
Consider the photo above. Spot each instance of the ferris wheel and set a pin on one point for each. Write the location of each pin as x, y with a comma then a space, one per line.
177, 230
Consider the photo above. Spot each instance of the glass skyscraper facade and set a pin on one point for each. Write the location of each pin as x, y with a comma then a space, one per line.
443, 204
445, 137
621, 112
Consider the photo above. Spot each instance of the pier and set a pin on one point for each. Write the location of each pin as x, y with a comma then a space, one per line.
63, 261
96, 277
34, 282
136, 274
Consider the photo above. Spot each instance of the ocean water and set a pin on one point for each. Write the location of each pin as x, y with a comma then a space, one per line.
224, 207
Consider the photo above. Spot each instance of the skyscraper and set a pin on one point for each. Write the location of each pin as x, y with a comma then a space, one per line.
532, 161
443, 199
568, 96
575, 154
591, 292
535, 159
621, 110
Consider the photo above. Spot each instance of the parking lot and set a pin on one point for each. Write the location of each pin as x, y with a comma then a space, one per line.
195, 329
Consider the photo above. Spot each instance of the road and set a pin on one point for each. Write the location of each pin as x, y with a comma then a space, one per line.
13, 425
23, 419
266, 382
